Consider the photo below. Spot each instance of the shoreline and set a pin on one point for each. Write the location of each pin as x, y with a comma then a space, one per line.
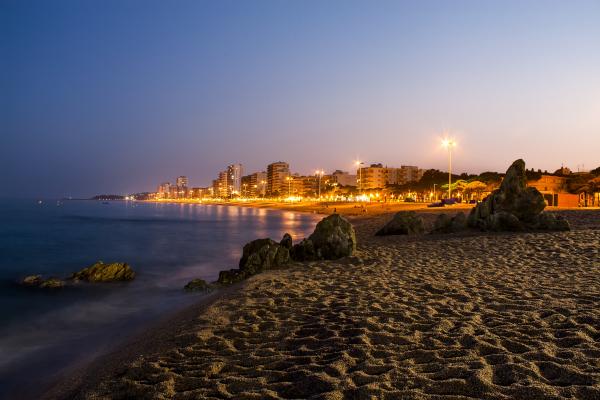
184, 329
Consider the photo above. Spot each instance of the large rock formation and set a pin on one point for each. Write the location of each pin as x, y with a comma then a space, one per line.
514, 206
101, 272
403, 223
333, 238
258, 256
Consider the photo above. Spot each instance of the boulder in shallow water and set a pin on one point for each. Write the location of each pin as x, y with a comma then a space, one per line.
32, 280
52, 283
333, 238
403, 223
198, 285
231, 276
101, 272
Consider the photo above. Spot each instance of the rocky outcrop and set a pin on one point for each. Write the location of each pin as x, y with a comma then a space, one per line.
333, 238
38, 281
446, 224
514, 206
198, 285
403, 223
101, 272
258, 256
304, 251
52, 283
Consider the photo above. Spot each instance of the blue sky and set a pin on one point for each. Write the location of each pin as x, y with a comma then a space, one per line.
117, 96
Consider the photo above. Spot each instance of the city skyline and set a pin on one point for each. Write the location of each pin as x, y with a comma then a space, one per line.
193, 87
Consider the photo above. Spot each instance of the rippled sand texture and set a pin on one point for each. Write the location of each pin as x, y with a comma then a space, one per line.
486, 316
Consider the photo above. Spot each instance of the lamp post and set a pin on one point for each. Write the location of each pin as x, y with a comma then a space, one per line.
263, 183
289, 179
360, 185
449, 144
434, 193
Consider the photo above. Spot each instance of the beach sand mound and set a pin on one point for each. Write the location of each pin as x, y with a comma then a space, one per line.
511, 316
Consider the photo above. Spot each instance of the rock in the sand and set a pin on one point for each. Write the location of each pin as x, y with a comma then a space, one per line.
303, 251
286, 241
198, 285
333, 238
101, 272
403, 223
446, 224
263, 254
550, 222
52, 283
514, 206
32, 280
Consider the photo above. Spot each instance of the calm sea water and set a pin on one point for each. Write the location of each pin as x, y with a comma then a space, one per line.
44, 333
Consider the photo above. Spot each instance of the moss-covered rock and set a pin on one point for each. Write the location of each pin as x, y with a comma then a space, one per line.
229, 277
263, 254
101, 272
32, 280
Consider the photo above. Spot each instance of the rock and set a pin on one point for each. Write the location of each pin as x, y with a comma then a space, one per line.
403, 223
198, 285
101, 272
333, 238
231, 276
304, 251
32, 280
263, 254
286, 241
551, 222
513, 206
505, 221
446, 224
52, 283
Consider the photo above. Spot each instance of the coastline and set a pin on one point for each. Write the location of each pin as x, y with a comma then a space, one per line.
175, 345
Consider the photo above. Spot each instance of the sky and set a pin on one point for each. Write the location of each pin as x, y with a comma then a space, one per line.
117, 96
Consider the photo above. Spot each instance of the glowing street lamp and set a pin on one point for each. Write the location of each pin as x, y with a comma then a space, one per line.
449, 144
360, 185
263, 183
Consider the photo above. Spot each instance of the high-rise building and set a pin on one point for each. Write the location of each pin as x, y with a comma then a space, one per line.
182, 181
234, 179
373, 177
276, 174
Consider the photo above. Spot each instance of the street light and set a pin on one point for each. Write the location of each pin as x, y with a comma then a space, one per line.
360, 185
320, 174
449, 144
263, 183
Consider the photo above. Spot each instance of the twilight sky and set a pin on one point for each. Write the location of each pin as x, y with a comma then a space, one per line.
117, 96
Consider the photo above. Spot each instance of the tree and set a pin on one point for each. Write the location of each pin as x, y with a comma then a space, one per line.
476, 187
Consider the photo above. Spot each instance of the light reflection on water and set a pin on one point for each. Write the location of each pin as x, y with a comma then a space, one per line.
167, 244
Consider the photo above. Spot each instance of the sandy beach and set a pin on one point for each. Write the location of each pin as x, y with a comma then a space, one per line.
471, 316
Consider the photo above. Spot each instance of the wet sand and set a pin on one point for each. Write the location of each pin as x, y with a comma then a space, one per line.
485, 316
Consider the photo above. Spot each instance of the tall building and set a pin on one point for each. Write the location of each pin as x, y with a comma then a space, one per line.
409, 173
182, 181
234, 179
373, 177
163, 190
276, 174
254, 185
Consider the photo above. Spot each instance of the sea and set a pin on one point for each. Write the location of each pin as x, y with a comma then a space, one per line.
44, 333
